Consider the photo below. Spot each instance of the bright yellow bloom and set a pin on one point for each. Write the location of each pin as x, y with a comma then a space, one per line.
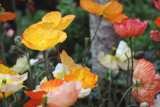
10, 81
86, 77
48, 32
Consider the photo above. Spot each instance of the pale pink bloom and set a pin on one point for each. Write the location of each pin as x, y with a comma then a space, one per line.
10, 33
65, 95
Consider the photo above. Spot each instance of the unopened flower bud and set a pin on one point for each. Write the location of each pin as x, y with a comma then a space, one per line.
10, 32
17, 41
113, 51
86, 41
115, 74
15, 49
139, 55
144, 104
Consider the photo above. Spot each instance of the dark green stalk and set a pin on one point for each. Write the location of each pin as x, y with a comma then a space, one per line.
86, 53
46, 65
109, 92
154, 51
2, 47
38, 78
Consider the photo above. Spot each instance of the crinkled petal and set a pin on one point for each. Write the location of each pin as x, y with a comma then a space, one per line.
10, 88
84, 92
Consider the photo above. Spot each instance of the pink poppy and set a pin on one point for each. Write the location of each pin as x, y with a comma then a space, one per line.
155, 35
157, 4
131, 27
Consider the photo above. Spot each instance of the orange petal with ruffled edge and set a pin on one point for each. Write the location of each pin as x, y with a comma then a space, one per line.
7, 16
53, 16
51, 85
113, 7
157, 21
115, 17
35, 95
91, 6
65, 22
87, 78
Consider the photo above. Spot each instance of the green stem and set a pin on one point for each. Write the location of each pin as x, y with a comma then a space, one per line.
4, 100
125, 95
38, 78
154, 51
46, 65
30, 72
90, 102
109, 92
86, 53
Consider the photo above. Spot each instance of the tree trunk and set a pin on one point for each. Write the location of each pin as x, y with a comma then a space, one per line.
105, 39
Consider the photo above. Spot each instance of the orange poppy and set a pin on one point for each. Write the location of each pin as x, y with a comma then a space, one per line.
6, 16
51, 85
37, 98
111, 12
146, 81
157, 21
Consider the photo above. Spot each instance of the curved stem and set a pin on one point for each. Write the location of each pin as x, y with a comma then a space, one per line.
125, 95
86, 53
38, 78
46, 65
154, 51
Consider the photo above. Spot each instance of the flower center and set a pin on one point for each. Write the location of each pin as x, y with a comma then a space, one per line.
102, 15
43, 42
138, 84
4, 81
58, 75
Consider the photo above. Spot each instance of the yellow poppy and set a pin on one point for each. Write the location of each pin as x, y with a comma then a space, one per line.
86, 77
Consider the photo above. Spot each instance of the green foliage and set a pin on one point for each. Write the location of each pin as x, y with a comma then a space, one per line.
145, 10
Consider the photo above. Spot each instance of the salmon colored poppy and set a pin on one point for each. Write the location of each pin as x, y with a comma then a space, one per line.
42, 36
146, 81
157, 4
68, 61
51, 85
36, 98
157, 21
86, 77
10, 81
131, 27
155, 35
6, 16
65, 95
111, 12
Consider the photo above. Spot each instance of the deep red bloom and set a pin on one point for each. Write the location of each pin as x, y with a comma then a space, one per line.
155, 35
157, 4
37, 98
131, 27
157, 21
0, 62
147, 82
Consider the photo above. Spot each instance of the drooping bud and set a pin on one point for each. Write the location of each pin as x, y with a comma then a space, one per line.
115, 74
113, 51
139, 55
17, 41
144, 104
15, 49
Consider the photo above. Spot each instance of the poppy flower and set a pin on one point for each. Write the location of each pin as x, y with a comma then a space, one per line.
36, 98
146, 81
157, 4
6, 16
131, 27
65, 95
157, 21
111, 12
119, 60
0, 62
10, 81
155, 35
10, 32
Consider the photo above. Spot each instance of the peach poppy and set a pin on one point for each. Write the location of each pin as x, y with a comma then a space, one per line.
86, 77
155, 35
111, 12
65, 95
157, 21
131, 27
51, 85
10, 81
146, 81
157, 4
36, 98
6, 16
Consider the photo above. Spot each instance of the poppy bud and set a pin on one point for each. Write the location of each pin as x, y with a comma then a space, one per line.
113, 51
115, 74
15, 49
17, 41
139, 55
144, 104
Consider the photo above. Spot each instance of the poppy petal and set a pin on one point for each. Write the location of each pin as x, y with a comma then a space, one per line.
33, 103
91, 6
35, 95
6, 16
157, 21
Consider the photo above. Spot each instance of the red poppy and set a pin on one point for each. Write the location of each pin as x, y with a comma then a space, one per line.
131, 27
37, 98
0, 62
157, 21
155, 35
146, 81
157, 4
